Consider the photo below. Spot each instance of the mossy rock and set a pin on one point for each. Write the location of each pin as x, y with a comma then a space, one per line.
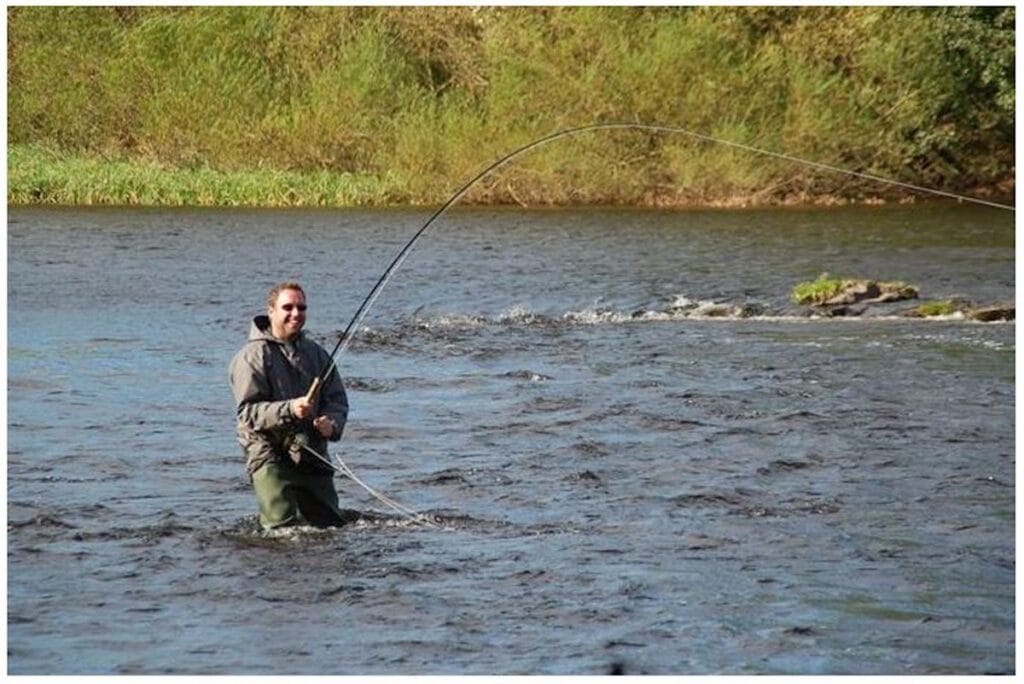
938, 307
817, 291
828, 291
896, 291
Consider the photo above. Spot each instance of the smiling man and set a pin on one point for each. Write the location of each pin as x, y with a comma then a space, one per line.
283, 433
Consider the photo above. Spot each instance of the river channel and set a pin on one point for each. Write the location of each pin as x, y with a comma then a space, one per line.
639, 456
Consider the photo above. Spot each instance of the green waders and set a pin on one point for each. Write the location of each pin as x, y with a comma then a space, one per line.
288, 496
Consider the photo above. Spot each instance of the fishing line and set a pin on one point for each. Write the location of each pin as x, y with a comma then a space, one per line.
346, 337
340, 465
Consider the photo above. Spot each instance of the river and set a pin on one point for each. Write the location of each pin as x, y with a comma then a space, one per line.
620, 480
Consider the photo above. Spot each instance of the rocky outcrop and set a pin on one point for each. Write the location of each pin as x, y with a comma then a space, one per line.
828, 292
709, 309
962, 308
941, 307
990, 314
828, 296
870, 292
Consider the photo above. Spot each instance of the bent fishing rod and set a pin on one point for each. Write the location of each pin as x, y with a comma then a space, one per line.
346, 337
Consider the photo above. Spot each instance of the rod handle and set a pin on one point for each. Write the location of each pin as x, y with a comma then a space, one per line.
313, 389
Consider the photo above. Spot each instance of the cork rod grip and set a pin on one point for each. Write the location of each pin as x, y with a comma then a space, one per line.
313, 389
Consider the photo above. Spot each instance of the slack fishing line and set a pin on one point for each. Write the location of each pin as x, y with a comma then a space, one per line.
342, 467
346, 336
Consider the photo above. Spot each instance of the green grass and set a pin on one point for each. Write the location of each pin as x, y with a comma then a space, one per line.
942, 307
40, 176
817, 291
349, 105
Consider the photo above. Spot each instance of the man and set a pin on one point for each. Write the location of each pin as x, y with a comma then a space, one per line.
279, 427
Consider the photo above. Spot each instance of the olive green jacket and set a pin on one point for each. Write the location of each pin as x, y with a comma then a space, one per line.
266, 374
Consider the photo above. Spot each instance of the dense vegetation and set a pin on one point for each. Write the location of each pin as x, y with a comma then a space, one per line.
345, 105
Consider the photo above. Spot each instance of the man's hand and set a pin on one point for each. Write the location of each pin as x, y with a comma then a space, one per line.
325, 425
301, 407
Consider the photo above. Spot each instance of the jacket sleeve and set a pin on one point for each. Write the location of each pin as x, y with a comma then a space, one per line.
334, 403
251, 389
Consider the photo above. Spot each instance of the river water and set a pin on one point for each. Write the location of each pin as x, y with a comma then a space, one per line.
620, 480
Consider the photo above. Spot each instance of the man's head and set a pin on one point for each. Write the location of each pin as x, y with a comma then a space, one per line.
286, 308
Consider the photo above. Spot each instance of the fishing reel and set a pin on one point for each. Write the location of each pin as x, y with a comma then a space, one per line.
297, 444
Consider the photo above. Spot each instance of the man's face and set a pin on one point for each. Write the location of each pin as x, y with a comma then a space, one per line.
288, 314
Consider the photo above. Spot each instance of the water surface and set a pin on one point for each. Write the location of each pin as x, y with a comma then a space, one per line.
620, 480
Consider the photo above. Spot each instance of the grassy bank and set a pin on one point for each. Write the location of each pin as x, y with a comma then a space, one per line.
40, 176
341, 105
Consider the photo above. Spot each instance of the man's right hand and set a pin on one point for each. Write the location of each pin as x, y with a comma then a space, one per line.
301, 407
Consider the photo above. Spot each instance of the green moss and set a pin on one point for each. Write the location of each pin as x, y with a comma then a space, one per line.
943, 307
817, 291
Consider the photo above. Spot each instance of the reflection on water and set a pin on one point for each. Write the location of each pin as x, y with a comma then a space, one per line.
640, 456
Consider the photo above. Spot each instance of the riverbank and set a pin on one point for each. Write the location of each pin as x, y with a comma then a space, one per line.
38, 176
346, 106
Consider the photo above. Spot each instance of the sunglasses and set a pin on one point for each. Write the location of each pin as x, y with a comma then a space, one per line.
289, 307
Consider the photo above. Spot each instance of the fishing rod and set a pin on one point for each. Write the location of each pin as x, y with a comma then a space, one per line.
346, 337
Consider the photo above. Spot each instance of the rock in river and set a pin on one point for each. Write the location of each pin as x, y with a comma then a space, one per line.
989, 314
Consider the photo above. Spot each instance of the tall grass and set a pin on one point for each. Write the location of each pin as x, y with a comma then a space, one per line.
402, 104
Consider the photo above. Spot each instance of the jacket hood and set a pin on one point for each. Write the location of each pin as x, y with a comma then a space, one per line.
260, 331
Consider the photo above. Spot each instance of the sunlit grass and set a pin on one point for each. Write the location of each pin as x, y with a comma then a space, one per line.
39, 176
942, 307
817, 291
280, 106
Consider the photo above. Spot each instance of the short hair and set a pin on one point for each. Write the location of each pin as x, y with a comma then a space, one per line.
277, 289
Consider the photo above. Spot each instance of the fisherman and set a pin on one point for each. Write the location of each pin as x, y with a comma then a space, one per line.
284, 432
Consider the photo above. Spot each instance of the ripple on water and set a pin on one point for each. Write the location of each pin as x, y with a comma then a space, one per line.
619, 477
